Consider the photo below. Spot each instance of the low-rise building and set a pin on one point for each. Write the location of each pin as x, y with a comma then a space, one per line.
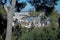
27, 21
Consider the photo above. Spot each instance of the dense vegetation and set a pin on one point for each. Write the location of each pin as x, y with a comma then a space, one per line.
20, 6
3, 23
46, 6
40, 34
34, 14
43, 33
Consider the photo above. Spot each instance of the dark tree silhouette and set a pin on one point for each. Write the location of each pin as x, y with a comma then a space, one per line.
5, 1
43, 5
19, 6
3, 22
1, 3
59, 21
3, 26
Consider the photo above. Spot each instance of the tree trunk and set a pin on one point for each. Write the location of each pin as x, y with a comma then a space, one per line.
9, 20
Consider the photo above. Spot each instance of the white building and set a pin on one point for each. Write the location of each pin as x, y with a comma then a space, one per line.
22, 17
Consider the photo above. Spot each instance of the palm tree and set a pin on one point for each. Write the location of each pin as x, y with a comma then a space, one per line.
9, 19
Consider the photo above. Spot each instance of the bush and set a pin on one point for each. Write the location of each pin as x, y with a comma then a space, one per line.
40, 34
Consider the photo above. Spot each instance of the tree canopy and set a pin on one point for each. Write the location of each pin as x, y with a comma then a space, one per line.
43, 5
19, 6
40, 34
2, 11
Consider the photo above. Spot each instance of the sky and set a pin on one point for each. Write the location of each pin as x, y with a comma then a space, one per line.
28, 6
57, 7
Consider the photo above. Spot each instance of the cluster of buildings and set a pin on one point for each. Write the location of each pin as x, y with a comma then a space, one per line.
25, 20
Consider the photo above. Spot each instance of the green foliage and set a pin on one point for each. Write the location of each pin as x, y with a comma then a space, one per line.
38, 4
23, 4
1, 38
2, 11
54, 18
40, 34
19, 6
43, 33
4, 24
35, 14
54, 15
